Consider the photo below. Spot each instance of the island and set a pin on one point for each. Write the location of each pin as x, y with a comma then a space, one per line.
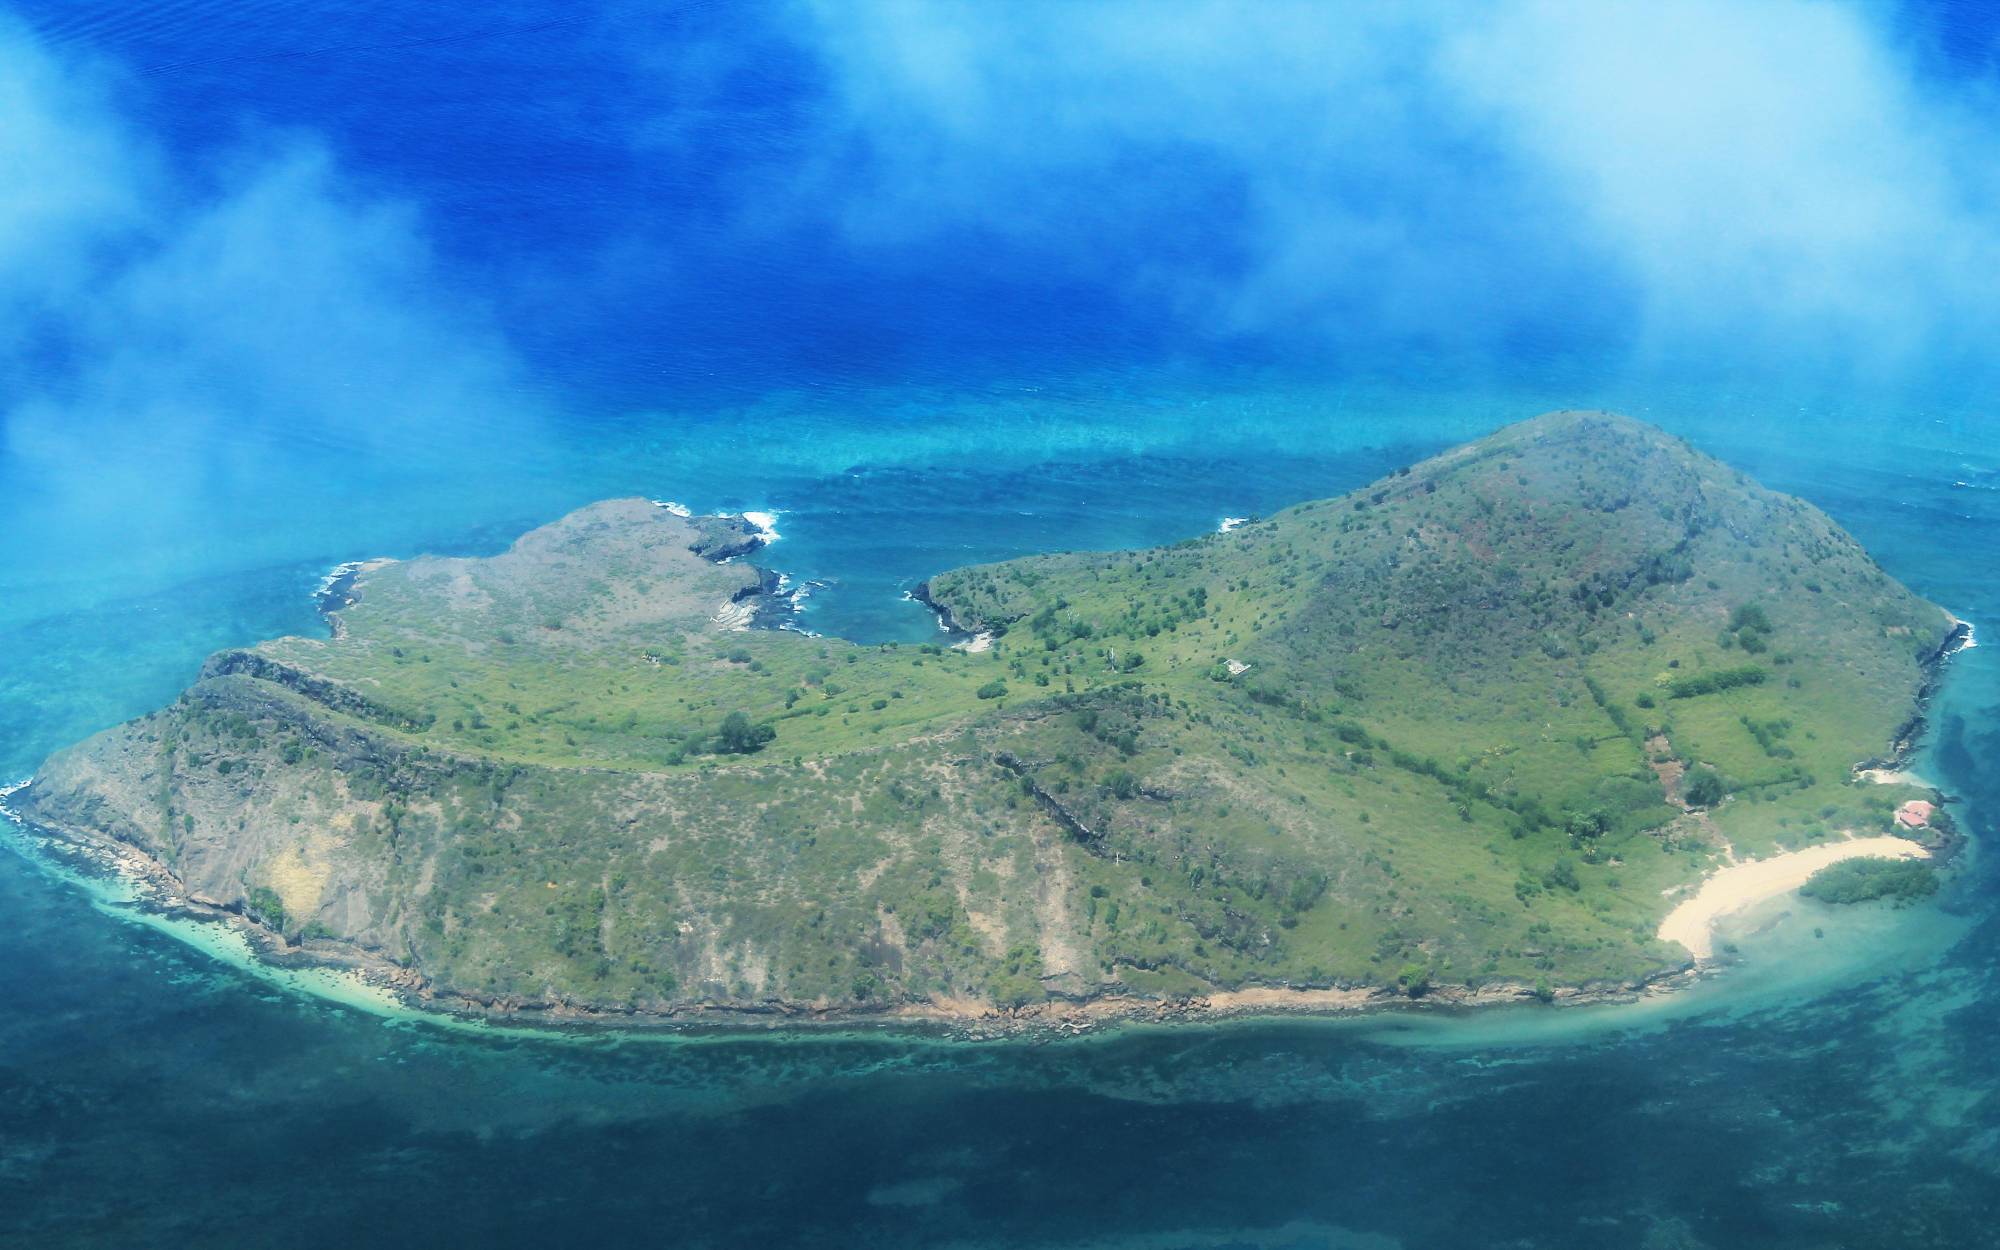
1471, 733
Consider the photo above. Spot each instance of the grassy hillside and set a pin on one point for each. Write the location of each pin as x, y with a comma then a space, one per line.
1465, 724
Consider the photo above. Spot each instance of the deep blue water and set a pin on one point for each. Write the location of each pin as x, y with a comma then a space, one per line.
317, 285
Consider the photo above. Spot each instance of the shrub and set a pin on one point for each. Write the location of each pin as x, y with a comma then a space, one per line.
266, 908
994, 689
1018, 981
1712, 683
1703, 787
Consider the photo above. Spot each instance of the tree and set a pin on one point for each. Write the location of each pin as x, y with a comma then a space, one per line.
1415, 979
1703, 787
1583, 826
1562, 874
1750, 616
739, 736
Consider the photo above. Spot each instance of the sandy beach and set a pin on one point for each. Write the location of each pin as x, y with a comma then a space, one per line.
1893, 777
1737, 886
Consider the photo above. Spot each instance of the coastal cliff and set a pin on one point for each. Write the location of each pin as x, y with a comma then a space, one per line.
1458, 733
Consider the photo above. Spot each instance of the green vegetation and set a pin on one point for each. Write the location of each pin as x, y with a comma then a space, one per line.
738, 736
264, 906
1721, 679
1703, 787
1863, 880
1441, 731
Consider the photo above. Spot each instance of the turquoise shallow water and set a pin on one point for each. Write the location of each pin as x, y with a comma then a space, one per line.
384, 279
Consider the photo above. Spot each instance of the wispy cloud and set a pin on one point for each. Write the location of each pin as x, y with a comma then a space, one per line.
1682, 180
176, 338
1767, 175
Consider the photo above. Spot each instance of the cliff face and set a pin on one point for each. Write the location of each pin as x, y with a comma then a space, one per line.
1408, 737
518, 883
242, 791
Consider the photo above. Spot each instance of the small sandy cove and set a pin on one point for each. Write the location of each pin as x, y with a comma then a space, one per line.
1692, 924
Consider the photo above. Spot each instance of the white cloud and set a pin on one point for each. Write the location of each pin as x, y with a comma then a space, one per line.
73, 185
181, 344
1774, 170
1687, 178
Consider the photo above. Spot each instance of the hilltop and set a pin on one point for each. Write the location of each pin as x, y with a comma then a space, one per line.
1471, 725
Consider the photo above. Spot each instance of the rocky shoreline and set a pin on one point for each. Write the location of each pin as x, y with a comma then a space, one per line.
1944, 841
947, 624
1905, 744
160, 890
720, 539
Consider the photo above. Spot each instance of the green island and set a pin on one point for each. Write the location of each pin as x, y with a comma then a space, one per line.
1461, 734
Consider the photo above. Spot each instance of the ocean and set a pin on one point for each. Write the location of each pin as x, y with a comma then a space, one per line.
388, 279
